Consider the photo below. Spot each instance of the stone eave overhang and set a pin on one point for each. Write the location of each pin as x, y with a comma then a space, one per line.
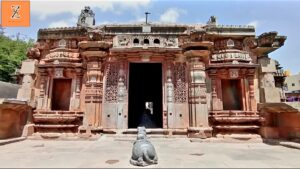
230, 30
156, 29
62, 32
142, 33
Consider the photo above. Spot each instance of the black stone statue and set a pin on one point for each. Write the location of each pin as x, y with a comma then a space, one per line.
143, 152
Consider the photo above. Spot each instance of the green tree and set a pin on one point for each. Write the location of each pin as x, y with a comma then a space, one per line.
12, 53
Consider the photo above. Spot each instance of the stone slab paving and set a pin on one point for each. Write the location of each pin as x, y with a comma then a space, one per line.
110, 152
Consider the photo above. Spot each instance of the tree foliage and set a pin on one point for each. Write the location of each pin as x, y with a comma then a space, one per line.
12, 53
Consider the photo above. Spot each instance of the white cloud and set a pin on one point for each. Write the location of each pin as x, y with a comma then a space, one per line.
254, 23
171, 15
46, 8
59, 24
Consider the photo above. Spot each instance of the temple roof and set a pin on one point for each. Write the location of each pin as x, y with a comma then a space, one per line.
159, 28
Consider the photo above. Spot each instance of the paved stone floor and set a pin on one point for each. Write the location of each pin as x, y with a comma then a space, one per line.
172, 152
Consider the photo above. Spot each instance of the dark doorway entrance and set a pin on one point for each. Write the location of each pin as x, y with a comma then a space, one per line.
232, 94
145, 85
61, 94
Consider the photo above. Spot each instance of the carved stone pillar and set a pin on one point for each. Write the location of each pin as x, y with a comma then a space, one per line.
268, 92
198, 108
197, 94
41, 102
94, 84
26, 92
170, 96
122, 96
253, 105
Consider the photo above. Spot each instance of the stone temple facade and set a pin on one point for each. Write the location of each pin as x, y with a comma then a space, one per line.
202, 80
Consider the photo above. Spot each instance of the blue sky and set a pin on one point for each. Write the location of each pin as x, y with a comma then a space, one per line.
265, 15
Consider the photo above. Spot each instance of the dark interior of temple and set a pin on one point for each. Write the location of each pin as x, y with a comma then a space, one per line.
61, 94
232, 94
145, 85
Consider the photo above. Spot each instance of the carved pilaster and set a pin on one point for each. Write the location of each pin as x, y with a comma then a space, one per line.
197, 93
122, 113
93, 91
169, 119
43, 83
250, 77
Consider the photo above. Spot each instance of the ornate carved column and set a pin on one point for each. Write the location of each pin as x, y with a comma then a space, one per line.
198, 107
94, 83
197, 93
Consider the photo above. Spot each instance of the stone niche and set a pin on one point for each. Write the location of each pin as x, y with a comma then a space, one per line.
14, 115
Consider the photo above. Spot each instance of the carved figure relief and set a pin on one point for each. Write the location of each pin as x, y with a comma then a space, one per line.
59, 73
62, 43
233, 73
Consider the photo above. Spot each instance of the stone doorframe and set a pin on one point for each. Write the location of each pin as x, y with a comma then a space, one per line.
245, 74
120, 102
48, 74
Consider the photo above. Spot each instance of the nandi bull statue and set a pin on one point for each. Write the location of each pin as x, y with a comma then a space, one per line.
143, 152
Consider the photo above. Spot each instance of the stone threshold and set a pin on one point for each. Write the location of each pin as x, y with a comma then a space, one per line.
11, 140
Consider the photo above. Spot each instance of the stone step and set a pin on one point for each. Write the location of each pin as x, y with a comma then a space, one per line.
54, 119
236, 119
236, 127
54, 112
49, 126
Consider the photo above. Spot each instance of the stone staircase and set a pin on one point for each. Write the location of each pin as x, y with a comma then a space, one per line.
232, 123
57, 122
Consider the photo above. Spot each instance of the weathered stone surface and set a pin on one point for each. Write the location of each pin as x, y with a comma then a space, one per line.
28, 67
14, 115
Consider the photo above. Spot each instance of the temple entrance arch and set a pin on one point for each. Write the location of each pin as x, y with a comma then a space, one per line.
145, 85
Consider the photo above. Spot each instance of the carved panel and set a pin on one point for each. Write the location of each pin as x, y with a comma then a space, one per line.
180, 81
93, 93
111, 86
228, 44
231, 56
125, 41
233, 73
